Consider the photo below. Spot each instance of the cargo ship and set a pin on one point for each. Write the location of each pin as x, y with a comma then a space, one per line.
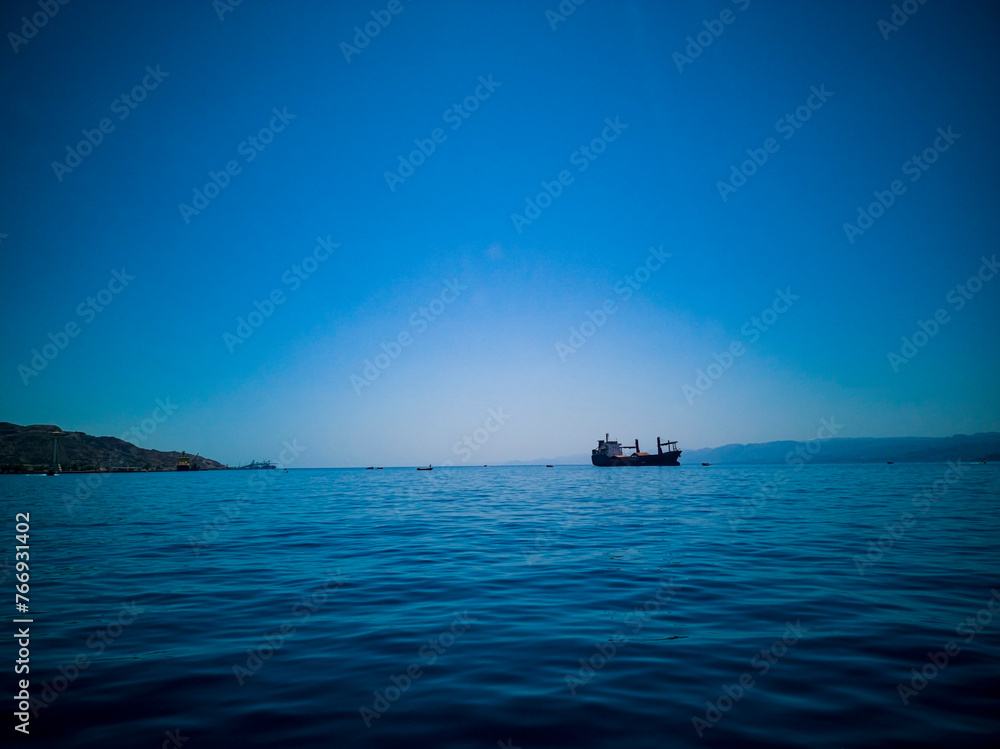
186, 463
609, 453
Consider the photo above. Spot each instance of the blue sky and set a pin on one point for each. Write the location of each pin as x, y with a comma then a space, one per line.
500, 295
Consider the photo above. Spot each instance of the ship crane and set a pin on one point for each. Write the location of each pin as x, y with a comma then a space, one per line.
671, 446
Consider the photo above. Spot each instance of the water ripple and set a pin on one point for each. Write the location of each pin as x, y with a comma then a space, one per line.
571, 607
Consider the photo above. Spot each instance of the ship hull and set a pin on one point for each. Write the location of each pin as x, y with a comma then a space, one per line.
660, 459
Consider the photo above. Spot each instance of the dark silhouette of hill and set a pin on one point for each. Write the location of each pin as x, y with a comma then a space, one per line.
29, 448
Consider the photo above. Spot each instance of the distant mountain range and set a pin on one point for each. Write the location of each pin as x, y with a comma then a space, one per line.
967, 447
26, 449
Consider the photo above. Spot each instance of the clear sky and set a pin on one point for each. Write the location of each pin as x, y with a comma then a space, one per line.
277, 150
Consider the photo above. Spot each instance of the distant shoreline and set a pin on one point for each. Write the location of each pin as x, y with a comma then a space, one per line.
691, 465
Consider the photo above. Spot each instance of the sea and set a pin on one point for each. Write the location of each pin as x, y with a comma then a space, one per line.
852, 605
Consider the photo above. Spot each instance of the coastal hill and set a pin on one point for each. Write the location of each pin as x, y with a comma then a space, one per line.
965, 447
26, 449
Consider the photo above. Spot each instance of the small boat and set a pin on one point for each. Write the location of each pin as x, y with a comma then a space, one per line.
706, 464
380, 468
370, 468
428, 468
548, 465
888, 462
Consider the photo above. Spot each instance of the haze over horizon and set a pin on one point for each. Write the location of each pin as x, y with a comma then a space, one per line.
531, 227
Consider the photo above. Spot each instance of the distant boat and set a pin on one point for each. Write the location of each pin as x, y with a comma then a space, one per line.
609, 453
370, 468
888, 462
428, 468
548, 465
380, 468
706, 464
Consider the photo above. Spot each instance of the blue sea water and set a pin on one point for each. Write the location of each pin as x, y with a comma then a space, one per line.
511, 606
